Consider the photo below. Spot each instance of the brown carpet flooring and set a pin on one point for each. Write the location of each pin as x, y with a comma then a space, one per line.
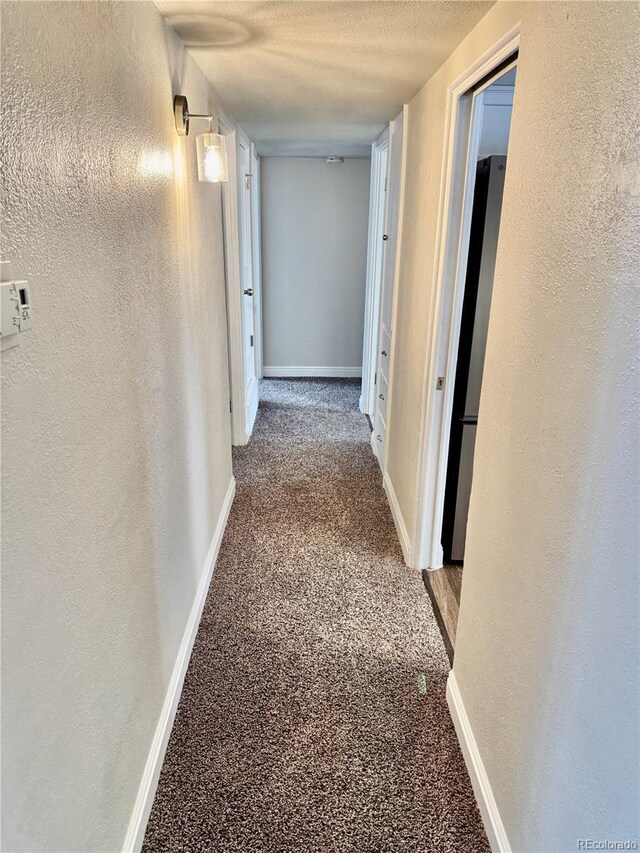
313, 716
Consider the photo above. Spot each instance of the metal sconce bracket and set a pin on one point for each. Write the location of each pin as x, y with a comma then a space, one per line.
182, 115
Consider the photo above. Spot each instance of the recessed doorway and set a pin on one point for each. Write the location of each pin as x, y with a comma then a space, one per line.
485, 169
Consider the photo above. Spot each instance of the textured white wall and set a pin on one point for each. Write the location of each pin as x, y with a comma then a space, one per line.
547, 644
115, 420
314, 258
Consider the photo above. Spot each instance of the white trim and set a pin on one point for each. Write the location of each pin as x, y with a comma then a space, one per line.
249, 355
241, 401
313, 371
446, 300
404, 119
256, 233
149, 782
233, 287
374, 271
398, 520
489, 812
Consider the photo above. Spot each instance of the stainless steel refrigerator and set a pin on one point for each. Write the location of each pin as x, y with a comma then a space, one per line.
483, 242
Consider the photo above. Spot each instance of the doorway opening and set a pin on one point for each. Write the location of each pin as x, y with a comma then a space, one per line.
482, 168
483, 243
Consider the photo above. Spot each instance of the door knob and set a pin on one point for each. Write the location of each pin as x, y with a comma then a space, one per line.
384, 352
381, 396
378, 437
248, 292
385, 236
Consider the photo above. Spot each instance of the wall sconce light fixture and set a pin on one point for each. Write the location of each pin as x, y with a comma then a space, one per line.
211, 147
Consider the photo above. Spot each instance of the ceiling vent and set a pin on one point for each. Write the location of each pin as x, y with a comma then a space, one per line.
332, 159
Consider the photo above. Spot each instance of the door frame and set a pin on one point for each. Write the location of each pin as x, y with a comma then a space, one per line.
242, 410
251, 400
377, 209
401, 119
256, 240
463, 125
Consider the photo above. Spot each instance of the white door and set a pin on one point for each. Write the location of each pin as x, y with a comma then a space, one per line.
377, 213
257, 258
390, 240
247, 280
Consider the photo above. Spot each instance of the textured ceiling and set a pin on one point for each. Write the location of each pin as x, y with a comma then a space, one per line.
319, 77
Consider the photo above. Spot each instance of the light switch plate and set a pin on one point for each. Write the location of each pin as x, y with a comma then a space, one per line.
9, 309
25, 305
15, 307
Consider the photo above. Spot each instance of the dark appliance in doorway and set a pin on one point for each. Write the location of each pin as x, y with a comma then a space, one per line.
483, 243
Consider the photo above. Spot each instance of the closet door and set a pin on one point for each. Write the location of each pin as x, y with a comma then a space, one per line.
390, 241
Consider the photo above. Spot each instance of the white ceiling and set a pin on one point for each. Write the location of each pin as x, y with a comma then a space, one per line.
320, 77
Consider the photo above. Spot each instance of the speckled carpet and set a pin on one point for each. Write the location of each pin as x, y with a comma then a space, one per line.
313, 716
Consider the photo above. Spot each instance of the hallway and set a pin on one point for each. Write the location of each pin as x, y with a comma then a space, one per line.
304, 724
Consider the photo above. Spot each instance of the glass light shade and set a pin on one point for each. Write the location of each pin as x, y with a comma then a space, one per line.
212, 157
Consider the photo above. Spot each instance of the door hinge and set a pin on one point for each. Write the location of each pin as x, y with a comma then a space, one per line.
230, 406
251, 340
375, 378
440, 383
385, 184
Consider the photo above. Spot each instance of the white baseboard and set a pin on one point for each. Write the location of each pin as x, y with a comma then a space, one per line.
344, 372
481, 787
146, 792
401, 527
